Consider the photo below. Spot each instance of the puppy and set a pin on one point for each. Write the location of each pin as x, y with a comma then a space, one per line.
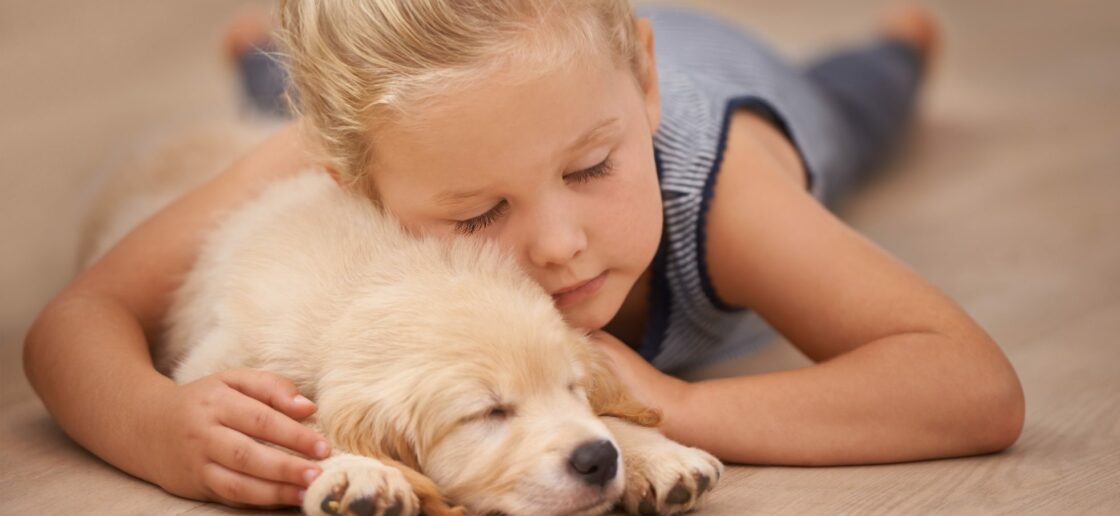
442, 373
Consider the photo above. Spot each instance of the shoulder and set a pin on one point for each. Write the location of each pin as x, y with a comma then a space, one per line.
758, 197
755, 142
774, 248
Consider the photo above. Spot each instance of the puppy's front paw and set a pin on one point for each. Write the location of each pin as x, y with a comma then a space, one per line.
353, 485
664, 477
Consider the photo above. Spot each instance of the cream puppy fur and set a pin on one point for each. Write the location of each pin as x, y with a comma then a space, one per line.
443, 374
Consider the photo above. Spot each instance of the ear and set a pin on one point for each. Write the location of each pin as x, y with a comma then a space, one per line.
609, 397
431, 502
353, 429
650, 89
363, 187
335, 176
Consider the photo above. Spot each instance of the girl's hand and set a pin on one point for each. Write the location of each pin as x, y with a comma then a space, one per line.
212, 439
645, 383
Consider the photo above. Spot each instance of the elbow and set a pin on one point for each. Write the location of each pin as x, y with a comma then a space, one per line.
34, 344
1005, 425
982, 400
999, 411
31, 354
40, 349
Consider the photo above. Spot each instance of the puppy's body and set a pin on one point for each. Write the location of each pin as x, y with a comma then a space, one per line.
393, 336
429, 356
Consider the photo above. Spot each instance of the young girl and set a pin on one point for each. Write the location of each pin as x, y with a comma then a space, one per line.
667, 194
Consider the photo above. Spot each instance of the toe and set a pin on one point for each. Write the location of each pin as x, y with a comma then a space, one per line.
915, 25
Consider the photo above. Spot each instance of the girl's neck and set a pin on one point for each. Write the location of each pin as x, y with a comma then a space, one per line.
629, 324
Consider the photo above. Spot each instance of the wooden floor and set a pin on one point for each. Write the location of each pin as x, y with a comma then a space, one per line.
1006, 198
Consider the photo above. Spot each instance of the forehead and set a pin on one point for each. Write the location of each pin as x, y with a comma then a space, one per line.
504, 122
522, 362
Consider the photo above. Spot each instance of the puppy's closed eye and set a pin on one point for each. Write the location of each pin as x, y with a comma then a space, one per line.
578, 390
499, 413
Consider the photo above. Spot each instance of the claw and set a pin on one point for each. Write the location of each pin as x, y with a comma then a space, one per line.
702, 482
395, 509
331, 503
679, 494
363, 506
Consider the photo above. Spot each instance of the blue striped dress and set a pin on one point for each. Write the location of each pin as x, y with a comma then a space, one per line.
835, 114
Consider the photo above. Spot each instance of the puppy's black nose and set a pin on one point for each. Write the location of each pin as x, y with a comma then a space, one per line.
595, 462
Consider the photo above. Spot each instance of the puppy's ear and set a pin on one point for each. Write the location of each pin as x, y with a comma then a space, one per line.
609, 397
353, 429
431, 501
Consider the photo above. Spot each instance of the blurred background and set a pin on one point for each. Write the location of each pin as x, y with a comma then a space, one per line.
1005, 196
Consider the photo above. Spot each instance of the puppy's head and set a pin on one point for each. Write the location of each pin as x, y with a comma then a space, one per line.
468, 374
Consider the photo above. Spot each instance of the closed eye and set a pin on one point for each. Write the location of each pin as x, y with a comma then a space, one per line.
496, 413
604, 168
578, 391
469, 226
476, 224
499, 413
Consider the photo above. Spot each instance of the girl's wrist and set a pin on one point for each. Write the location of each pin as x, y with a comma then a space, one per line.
676, 401
153, 408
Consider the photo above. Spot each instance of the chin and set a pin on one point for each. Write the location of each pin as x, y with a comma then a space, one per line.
593, 314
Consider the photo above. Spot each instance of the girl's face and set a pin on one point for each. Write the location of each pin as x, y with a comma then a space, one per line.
558, 170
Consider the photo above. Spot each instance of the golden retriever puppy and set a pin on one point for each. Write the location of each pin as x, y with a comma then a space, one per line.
444, 376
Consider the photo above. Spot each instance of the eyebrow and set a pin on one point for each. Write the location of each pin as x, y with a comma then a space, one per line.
587, 137
453, 197
594, 133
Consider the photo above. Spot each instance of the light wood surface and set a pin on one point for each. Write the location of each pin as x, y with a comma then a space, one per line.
1005, 197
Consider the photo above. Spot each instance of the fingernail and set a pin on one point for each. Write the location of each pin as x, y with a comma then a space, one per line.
299, 495
310, 475
301, 400
321, 449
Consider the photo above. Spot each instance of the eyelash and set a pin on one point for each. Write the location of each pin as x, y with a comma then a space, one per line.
480, 222
602, 169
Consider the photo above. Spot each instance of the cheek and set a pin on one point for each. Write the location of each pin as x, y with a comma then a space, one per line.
460, 451
633, 209
479, 466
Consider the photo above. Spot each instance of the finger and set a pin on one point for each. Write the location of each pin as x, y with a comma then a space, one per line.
239, 453
274, 390
233, 488
255, 419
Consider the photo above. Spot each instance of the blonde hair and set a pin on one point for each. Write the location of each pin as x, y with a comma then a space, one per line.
355, 64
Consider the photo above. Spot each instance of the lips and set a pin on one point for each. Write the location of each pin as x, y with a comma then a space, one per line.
580, 291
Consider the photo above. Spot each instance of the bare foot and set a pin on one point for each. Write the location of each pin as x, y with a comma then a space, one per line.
248, 48
251, 28
916, 26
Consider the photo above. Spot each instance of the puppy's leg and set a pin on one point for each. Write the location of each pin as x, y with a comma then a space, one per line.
431, 501
662, 476
348, 430
356, 485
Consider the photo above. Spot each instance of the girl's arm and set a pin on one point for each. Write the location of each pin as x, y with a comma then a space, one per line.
903, 372
87, 357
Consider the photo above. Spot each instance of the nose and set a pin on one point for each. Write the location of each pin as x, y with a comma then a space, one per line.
595, 462
557, 238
